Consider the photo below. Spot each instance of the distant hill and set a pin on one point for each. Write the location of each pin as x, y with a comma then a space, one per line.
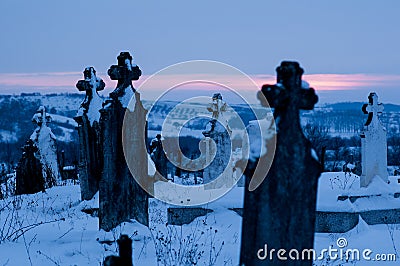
357, 106
344, 119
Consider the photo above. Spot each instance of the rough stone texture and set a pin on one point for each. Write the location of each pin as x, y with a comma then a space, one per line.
121, 197
341, 222
90, 153
219, 163
335, 222
381, 216
373, 143
181, 216
29, 176
281, 211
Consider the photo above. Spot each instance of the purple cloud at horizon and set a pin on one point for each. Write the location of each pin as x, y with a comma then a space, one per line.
325, 84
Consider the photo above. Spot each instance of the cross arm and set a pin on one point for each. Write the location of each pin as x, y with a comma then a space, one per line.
278, 96
83, 85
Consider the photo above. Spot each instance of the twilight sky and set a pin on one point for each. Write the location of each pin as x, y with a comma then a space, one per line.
348, 48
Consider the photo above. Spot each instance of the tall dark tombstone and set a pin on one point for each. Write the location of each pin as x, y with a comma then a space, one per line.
280, 213
29, 175
121, 197
90, 153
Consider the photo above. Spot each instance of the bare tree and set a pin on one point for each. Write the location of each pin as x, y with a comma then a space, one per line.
318, 136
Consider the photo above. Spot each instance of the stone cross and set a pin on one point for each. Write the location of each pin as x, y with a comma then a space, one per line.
217, 106
90, 151
217, 157
41, 117
280, 212
373, 143
90, 84
124, 72
373, 108
124, 154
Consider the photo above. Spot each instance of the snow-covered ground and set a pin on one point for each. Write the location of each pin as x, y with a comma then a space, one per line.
51, 229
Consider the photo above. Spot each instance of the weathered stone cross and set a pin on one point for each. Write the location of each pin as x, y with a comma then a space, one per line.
217, 106
373, 143
281, 211
373, 108
124, 72
41, 117
288, 93
91, 85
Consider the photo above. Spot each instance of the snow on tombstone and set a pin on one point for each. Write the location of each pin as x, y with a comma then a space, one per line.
45, 141
88, 117
373, 143
218, 156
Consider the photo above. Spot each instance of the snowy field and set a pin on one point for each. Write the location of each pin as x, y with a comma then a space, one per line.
51, 229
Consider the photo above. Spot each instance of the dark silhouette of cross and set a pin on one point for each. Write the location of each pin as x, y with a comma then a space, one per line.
90, 84
289, 92
124, 72
280, 212
372, 108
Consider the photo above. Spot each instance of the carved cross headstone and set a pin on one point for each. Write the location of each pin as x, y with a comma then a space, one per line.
88, 117
45, 140
124, 72
217, 157
124, 153
373, 143
217, 106
91, 85
280, 213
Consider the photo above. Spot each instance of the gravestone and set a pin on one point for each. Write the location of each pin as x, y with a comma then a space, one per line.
45, 141
121, 197
29, 175
158, 156
280, 212
373, 143
217, 130
88, 117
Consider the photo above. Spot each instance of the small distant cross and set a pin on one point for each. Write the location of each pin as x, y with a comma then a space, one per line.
91, 84
41, 117
217, 106
124, 72
373, 108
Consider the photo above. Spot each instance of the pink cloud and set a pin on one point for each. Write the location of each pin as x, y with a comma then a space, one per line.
65, 81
